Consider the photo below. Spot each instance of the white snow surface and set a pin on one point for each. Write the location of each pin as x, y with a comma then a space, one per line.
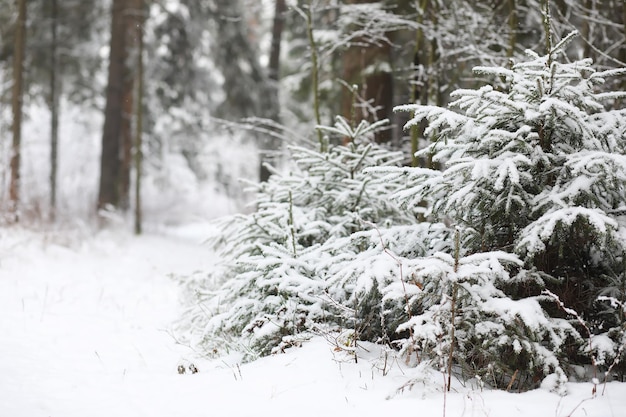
85, 330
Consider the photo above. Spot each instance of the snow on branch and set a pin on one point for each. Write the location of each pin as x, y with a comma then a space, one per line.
536, 234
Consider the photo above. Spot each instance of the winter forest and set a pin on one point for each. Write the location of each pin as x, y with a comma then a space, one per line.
397, 204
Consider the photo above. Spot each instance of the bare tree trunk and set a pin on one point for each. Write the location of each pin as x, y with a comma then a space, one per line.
117, 138
375, 88
110, 158
54, 110
315, 76
622, 52
513, 22
622, 57
271, 145
18, 92
126, 143
277, 34
139, 121
418, 90
132, 29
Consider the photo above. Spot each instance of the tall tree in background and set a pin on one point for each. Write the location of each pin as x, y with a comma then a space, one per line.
139, 117
278, 26
58, 66
271, 145
366, 63
54, 107
418, 92
18, 90
132, 40
109, 162
117, 135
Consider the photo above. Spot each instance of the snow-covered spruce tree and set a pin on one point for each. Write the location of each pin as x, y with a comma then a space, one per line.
358, 268
463, 321
537, 170
270, 284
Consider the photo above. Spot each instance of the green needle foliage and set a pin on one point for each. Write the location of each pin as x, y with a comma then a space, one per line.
271, 286
537, 170
507, 265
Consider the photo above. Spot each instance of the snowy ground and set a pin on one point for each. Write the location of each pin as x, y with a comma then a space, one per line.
84, 331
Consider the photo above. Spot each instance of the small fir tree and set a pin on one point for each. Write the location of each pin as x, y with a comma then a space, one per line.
272, 286
536, 169
533, 181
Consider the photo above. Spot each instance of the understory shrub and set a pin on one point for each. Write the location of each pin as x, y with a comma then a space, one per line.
535, 169
272, 285
506, 265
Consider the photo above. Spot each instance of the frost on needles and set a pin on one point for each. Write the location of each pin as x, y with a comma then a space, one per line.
507, 265
536, 170
274, 286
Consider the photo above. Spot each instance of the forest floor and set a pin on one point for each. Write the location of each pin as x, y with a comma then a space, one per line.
85, 330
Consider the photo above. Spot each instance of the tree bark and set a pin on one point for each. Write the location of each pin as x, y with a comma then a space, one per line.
17, 98
110, 158
117, 136
126, 144
270, 144
513, 23
376, 87
139, 121
315, 76
418, 90
277, 34
133, 31
54, 109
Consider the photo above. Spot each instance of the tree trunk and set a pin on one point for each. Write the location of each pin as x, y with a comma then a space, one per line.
117, 137
586, 31
139, 121
18, 92
277, 34
126, 144
418, 90
315, 69
271, 145
622, 55
133, 29
375, 88
110, 159
513, 22
54, 110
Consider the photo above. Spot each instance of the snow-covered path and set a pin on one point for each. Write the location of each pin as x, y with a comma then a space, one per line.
81, 317
84, 333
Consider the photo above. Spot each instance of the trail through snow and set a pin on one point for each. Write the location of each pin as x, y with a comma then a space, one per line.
84, 332
84, 317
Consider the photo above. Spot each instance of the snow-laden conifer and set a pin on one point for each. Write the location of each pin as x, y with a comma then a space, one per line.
359, 268
271, 283
536, 169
